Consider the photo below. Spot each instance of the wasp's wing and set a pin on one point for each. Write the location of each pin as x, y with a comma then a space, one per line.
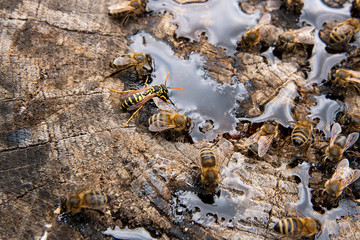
120, 8
264, 144
252, 139
142, 102
164, 106
128, 93
351, 140
159, 125
335, 131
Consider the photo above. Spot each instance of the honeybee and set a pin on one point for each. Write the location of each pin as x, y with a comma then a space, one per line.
302, 133
354, 122
140, 61
166, 120
127, 8
355, 8
298, 227
342, 177
209, 172
293, 6
345, 76
74, 203
304, 35
339, 143
338, 34
262, 139
262, 32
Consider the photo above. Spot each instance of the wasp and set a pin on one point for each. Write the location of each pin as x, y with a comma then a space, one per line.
298, 227
135, 99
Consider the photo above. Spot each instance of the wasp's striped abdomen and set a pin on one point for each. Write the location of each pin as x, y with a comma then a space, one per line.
133, 99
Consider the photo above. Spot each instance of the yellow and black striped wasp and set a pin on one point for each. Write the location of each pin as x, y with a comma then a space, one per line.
135, 99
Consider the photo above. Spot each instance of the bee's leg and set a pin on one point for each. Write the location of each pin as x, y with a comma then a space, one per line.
132, 116
124, 21
119, 91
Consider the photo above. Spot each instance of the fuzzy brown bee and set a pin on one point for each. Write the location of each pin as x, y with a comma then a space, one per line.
209, 171
262, 139
142, 63
302, 133
342, 177
165, 120
339, 143
298, 227
126, 9
83, 200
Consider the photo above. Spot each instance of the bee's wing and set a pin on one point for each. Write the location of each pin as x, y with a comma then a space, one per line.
355, 80
265, 19
341, 170
264, 144
164, 106
160, 125
350, 140
353, 176
123, 61
305, 35
252, 139
120, 7
335, 131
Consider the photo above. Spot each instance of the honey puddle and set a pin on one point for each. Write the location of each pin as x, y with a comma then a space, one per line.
201, 98
222, 21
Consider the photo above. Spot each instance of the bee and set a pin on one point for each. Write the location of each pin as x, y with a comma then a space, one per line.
209, 172
302, 133
355, 8
338, 34
293, 6
345, 76
135, 99
165, 120
298, 227
261, 32
339, 143
304, 35
127, 8
74, 203
342, 177
262, 139
354, 121
140, 61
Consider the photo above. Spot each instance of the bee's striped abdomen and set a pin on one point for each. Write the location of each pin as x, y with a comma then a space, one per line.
207, 158
289, 226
